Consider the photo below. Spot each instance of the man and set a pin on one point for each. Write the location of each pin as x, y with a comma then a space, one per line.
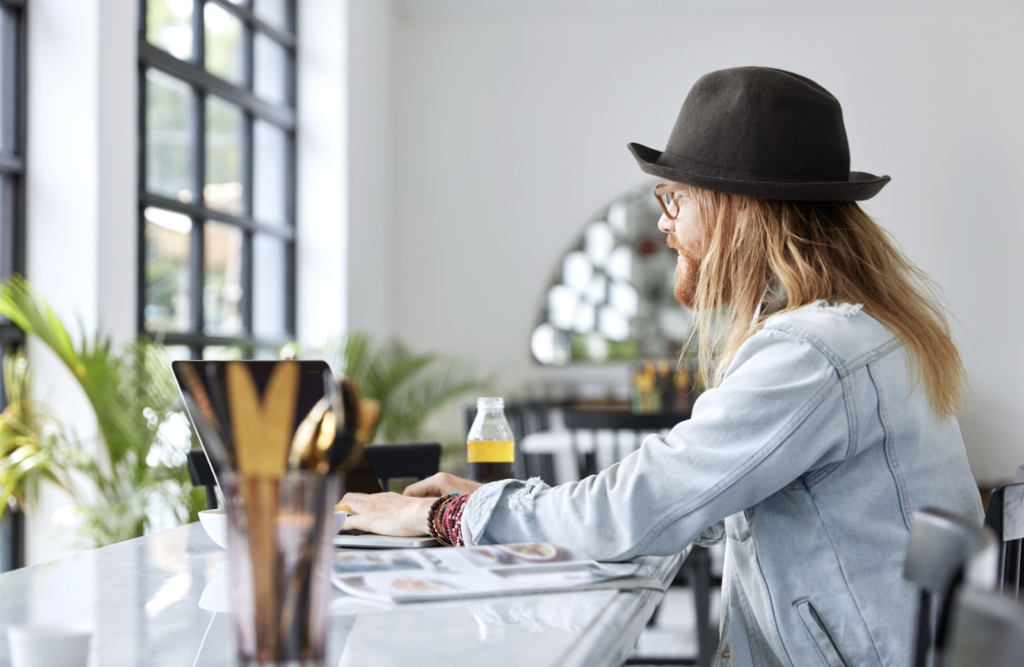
831, 417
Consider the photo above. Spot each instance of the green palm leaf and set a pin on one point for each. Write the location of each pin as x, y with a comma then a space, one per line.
410, 386
426, 393
31, 439
132, 394
92, 364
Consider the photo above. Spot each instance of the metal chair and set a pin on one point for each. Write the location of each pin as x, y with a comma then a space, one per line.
617, 421
1005, 516
696, 570
987, 629
944, 550
404, 461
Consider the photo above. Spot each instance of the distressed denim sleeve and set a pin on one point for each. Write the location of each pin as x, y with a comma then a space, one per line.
483, 501
778, 413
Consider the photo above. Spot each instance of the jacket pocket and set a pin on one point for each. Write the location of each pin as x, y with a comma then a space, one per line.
737, 528
819, 634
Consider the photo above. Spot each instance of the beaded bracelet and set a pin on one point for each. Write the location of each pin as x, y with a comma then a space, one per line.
432, 517
441, 533
451, 520
456, 533
435, 519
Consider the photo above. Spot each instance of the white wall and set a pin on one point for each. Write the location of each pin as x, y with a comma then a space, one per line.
80, 199
371, 185
321, 178
510, 122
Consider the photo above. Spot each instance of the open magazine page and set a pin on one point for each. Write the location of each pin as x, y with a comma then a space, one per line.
434, 574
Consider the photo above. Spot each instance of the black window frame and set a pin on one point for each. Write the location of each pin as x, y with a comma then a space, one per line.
202, 83
13, 94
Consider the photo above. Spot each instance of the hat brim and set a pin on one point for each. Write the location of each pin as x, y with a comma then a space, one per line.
859, 187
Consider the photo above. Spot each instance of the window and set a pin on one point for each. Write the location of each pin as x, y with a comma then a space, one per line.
12, 219
217, 175
12, 152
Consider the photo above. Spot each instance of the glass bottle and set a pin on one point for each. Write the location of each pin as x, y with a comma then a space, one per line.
490, 447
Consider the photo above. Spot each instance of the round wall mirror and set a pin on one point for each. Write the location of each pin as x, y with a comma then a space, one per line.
610, 296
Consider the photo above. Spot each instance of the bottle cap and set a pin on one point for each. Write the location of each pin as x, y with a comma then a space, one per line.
490, 403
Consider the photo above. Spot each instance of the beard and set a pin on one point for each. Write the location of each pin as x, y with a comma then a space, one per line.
686, 274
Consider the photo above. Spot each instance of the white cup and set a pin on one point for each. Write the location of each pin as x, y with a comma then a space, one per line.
48, 645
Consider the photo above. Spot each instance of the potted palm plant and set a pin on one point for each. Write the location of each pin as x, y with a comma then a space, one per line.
403, 387
32, 445
133, 469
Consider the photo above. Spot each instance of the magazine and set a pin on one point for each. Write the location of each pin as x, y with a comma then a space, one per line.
405, 575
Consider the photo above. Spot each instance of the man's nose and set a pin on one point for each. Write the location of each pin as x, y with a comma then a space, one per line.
666, 225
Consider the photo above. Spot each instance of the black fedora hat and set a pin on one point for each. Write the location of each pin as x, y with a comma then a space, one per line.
761, 132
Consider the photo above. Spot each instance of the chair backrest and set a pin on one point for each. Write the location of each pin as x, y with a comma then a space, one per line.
619, 422
987, 629
1005, 516
944, 550
201, 474
404, 461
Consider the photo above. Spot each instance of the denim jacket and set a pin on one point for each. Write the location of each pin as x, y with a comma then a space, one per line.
808, 460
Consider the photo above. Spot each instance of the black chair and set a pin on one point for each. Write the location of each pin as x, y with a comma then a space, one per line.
696, 570
1005, 516
944, 550
987, 629
404, 461
201, 474
617, 421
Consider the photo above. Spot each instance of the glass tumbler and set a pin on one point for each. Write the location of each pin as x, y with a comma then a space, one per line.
279, 551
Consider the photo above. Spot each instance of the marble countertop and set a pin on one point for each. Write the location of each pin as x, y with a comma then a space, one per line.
161, 600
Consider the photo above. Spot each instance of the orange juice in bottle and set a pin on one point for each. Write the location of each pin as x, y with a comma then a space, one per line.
490, 447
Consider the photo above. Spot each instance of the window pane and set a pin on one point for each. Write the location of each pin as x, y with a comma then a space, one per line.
8, 62
223, 44
218, 353
222, 287
224, 124
270, 174
269, 286
271, 69
168, 278
169, 26
168, 138
178, 352
6, 222
274, 12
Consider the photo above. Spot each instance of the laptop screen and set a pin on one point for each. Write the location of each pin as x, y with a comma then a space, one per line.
203, 387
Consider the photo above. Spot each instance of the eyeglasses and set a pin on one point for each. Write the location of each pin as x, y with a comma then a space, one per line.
666, 193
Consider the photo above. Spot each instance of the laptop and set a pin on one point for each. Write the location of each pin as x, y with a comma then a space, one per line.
202, 389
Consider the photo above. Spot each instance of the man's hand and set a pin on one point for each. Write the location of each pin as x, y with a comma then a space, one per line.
442, 484
387, 514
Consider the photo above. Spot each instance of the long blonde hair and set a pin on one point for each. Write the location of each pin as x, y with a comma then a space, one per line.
815, 250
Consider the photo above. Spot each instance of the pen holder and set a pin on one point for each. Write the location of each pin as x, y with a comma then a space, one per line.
279, 548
